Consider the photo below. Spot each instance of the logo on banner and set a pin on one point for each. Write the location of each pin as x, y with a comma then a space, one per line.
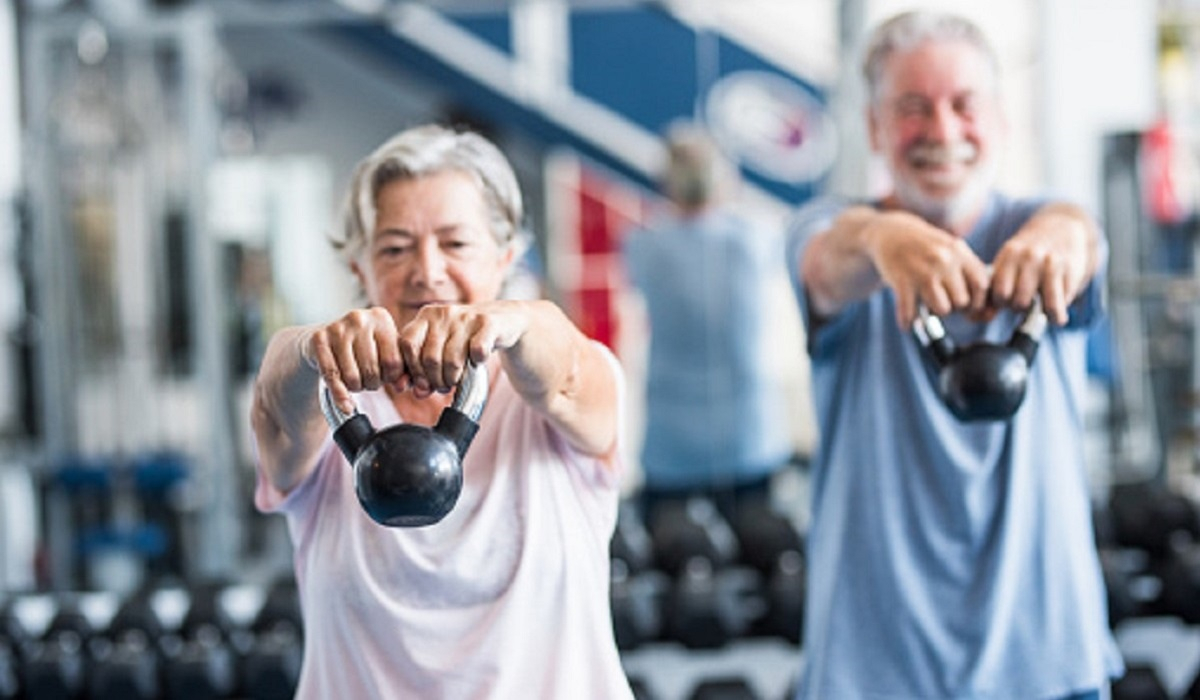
771, 125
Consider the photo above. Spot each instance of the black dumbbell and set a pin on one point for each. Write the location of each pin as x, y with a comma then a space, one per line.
763, 535
641, 690
125, 657
724, 688
12, 636
1140, 682
1147, 515
200, 661
1180, 576
54, 665
772, 544
685, 530
1103, 531
1118, 586
10, 686
631, 541
11, 629
271, 667
636, 600
707, 608
1132, 591
784, 591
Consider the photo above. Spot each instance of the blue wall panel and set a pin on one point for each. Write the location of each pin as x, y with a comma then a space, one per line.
639, 63
495, 29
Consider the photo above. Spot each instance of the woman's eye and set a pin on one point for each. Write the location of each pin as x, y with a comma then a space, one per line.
394, 250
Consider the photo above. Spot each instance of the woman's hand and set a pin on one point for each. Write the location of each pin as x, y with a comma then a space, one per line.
358, 352
437, 344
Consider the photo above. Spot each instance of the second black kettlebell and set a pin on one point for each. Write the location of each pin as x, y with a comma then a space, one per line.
982, 381
409, 475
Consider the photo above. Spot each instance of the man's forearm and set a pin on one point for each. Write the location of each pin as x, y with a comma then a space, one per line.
837, 267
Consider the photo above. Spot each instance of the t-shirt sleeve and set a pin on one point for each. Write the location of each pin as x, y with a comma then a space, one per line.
590, 470
612, 475
1088, 308
268, 499
810, 220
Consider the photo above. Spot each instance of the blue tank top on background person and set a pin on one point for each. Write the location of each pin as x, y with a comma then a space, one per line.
948, 559
715, 414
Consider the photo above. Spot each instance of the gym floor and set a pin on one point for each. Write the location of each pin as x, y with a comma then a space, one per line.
769, 667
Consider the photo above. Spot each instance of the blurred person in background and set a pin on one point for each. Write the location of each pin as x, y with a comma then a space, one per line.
716, 418
947, 559
507, 597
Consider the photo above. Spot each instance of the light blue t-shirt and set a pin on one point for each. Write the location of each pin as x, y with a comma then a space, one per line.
948, 559
715, 416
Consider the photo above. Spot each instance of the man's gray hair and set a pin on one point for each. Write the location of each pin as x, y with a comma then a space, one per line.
696, 172
429, 150
908, 30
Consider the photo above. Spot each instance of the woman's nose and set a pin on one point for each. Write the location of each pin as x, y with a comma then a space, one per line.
430, 263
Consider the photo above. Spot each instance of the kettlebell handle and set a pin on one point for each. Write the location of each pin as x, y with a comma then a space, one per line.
931, 332
470, 396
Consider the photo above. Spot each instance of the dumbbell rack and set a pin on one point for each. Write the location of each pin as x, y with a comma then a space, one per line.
705, 605
80, 645
768, 668
1148, 537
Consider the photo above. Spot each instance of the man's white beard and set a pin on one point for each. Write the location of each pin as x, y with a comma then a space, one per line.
947, 212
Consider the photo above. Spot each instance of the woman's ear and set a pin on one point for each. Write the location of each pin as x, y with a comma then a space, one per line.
508, 256
873, 129
359, 276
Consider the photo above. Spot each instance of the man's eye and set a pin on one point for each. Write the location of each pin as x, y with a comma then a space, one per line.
911, 109
394, 250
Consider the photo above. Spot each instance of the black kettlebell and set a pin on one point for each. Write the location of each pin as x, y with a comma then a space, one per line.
409, 475
982, 381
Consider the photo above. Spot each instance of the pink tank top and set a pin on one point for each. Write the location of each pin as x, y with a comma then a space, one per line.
507, 597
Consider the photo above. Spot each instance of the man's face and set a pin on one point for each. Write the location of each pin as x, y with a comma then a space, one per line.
936, 119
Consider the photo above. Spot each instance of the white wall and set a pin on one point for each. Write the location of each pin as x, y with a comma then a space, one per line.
1098, 75
1072, 70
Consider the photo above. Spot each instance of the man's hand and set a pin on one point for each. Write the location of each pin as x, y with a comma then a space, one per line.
1054, 254
922, 263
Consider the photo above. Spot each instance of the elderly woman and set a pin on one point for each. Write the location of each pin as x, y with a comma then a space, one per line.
507, 597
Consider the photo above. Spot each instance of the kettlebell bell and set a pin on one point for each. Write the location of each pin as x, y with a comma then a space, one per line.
410, 475
982, 381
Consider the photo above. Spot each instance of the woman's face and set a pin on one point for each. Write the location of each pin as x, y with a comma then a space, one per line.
431, 245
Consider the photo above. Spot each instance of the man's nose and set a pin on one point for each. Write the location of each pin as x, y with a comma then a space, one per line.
945, 126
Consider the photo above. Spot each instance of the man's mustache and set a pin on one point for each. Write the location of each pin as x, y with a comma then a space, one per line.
924, 153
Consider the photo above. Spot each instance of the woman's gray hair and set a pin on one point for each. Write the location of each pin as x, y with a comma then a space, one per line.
429, 150
908, 30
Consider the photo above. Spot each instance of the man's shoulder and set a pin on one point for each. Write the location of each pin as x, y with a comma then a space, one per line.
817, 214
824, 204
1007, 212
1008, 203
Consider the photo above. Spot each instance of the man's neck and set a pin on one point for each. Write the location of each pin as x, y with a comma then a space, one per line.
958, 226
